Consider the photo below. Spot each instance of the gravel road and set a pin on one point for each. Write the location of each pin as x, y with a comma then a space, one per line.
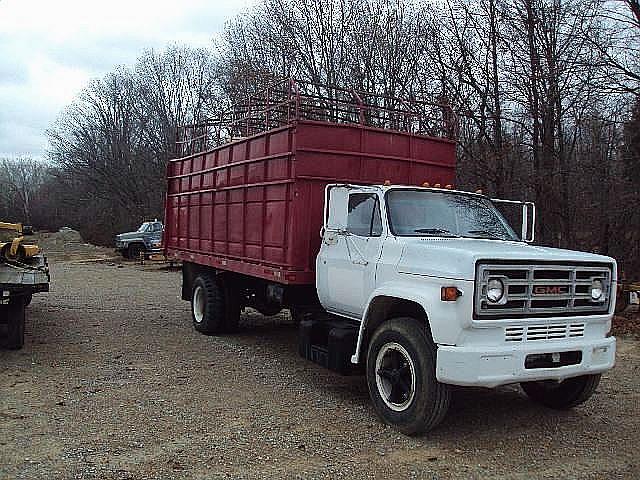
114, 383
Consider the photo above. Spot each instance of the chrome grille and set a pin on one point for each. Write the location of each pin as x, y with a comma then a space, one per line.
542, 290
556, 331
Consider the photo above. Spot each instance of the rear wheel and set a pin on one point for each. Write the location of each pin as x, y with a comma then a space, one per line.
562, 395
15, 323
401, 375
214, 309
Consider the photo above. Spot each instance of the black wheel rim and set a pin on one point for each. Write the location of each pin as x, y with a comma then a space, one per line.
395, 376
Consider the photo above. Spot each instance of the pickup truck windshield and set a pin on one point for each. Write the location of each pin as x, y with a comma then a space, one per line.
428, 213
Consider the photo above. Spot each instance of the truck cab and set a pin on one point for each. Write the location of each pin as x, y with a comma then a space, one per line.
444, 292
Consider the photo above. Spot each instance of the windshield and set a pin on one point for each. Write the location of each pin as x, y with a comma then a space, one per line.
143, 227
428, 213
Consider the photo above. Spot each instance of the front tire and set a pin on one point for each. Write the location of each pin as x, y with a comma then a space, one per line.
213, 308
134, 251
564, 395
401, 375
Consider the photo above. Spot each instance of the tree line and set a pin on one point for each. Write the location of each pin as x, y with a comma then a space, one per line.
547, 93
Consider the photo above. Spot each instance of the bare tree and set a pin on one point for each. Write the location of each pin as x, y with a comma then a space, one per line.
116, 138
543, 89
20, 181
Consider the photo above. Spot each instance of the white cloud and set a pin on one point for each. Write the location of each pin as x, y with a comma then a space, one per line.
49, 50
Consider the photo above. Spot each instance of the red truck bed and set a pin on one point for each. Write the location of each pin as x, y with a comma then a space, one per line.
255, 205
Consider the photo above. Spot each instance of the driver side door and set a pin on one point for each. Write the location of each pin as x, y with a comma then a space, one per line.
348, 259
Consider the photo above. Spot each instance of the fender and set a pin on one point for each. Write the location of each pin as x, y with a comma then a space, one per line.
425, 291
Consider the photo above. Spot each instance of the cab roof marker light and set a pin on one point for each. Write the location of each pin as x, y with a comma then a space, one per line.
437, 185
426, 184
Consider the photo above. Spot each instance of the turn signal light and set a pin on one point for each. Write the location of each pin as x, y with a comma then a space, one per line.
449, 294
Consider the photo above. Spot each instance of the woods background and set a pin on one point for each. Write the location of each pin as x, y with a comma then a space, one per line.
548, 94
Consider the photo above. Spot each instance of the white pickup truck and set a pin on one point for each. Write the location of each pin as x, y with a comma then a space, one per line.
443, 292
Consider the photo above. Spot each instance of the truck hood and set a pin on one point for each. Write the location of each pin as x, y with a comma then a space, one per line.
455, 258
138, 235
128, 235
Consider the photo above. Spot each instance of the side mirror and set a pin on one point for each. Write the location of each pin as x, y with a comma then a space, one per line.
528, 221
337, 206
528, 228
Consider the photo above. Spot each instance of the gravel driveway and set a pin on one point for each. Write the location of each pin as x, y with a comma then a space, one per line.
115, 384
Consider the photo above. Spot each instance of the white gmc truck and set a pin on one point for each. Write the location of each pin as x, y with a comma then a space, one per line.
433, 288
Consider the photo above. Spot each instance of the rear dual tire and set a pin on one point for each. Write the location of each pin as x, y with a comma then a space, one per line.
215, 308
401, 376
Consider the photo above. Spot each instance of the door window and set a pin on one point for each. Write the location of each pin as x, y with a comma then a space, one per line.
364, 215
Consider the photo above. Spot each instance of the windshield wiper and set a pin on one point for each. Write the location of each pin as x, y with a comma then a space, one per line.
436, 231
488, 234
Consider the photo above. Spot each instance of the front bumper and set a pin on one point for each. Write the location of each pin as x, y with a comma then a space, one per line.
490, 367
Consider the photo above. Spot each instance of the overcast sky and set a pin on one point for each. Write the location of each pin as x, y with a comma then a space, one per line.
50, 49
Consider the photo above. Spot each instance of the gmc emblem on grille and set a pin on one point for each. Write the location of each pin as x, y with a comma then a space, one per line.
550, 290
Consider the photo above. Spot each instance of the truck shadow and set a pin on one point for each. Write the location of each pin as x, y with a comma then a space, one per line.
505, 409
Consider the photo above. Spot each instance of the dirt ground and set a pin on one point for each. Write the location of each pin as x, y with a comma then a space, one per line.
114, 383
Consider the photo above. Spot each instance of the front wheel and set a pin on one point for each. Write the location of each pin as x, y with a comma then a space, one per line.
562, 395
401, 375
134, 251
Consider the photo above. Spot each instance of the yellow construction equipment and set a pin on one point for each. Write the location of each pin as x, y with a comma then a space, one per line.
12, 246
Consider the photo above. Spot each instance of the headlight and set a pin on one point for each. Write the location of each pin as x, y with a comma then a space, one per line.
597, 289
495, 290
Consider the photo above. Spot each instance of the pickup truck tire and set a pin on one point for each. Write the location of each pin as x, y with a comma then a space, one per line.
15, 324
133, 251
564, 395
213, 310
401, 376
